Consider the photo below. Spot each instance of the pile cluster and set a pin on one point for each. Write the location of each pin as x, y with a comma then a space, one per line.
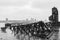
37, 29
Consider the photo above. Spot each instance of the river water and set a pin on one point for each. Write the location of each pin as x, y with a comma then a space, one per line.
10, 36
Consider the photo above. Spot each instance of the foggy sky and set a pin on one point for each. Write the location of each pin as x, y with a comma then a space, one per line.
22, 9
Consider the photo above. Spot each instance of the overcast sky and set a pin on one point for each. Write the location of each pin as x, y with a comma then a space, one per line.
22, 9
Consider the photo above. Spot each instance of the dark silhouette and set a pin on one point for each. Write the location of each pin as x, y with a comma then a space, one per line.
37, 29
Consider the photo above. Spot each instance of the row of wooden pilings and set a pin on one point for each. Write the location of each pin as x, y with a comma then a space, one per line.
22, 35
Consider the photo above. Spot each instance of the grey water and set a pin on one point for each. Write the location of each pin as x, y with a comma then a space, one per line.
6, 36
10, 36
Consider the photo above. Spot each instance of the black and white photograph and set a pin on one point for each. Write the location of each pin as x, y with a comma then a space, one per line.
29, 19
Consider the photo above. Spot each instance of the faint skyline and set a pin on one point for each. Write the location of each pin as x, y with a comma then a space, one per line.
22, 9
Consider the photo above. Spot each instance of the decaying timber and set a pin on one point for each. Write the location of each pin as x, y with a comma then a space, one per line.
37, 29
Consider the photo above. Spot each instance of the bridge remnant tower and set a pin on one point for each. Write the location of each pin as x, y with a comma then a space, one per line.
54, 17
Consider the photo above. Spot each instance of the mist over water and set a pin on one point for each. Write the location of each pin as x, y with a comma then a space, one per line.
2, 24
6, 36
